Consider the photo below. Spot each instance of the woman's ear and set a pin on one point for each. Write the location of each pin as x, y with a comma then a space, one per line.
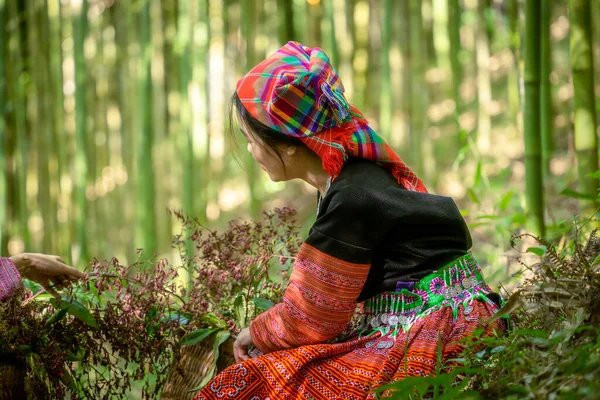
291, 150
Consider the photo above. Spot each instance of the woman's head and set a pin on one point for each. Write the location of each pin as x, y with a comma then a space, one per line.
270, 148
295, 96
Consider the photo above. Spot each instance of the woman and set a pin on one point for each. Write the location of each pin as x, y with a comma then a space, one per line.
379, 238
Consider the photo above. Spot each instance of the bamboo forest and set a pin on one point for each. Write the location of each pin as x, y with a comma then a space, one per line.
119, 145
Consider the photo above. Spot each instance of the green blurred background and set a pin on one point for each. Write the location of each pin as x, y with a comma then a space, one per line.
114, 111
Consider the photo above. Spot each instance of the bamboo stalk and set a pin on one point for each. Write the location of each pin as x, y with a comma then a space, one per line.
44, 118
3, 141
331, 42
484, 86
286, 21
514, 78
60, 141
81, 173
160, 127
454, 13
386, 103
545, 90
124, 93
314, 15
249, 11
403, 15
417, 67
531, 116
208, 193
145, 233
586, 139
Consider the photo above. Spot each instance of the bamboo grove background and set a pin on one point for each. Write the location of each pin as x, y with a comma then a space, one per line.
114, 110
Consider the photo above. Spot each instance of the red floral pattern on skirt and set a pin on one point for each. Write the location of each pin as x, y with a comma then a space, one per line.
353, 369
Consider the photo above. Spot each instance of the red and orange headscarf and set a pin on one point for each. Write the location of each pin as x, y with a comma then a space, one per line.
296, 91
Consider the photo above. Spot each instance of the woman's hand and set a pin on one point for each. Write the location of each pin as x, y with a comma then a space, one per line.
49, 271
240, 346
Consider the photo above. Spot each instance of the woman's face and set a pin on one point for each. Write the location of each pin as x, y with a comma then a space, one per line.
267, 158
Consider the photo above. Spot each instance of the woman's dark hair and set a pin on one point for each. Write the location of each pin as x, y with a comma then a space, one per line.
270, 138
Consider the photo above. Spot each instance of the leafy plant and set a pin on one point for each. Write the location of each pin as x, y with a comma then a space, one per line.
553, 347
126, 324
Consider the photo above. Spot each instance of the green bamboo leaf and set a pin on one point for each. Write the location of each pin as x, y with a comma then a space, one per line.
239, 308
505, 200
481, 354
497, 349
571, 193
76, 356
539, 333
595, 175
151, 314
456, 360
56, 317
473, 196
478, 174
44, 297
214, 321
519, 219
492, 217
538, 250
79, 311
263, 304
197, 336
220, 338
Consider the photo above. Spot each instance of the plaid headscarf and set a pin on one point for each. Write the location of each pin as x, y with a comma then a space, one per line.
296, 91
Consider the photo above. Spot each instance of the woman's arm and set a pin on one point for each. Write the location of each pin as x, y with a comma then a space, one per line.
318, 303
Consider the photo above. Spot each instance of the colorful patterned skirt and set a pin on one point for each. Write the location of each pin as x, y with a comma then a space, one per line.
400, 334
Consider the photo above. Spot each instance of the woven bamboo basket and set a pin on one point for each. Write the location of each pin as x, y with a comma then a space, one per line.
12, 383
194, 363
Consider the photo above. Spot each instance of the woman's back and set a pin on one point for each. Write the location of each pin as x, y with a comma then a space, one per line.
410, 233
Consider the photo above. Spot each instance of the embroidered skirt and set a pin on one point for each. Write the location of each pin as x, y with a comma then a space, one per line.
400, 334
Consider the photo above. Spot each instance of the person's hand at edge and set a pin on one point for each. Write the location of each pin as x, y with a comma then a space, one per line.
240, 346
48, 270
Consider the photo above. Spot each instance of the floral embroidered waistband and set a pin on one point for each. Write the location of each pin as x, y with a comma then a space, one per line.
458, 282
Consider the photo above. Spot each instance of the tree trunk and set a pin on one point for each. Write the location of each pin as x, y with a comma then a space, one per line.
403, 14
331, 43
514, 77
531, 116
484, 86
249, 29
350, 51
81, 137
314, 16
207, 165
454, 17
38, 45
386, 103
59, 138
145, 216
586, 140
547, 118
285, 9
417, 87
162, 162
428, 34
3, 141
